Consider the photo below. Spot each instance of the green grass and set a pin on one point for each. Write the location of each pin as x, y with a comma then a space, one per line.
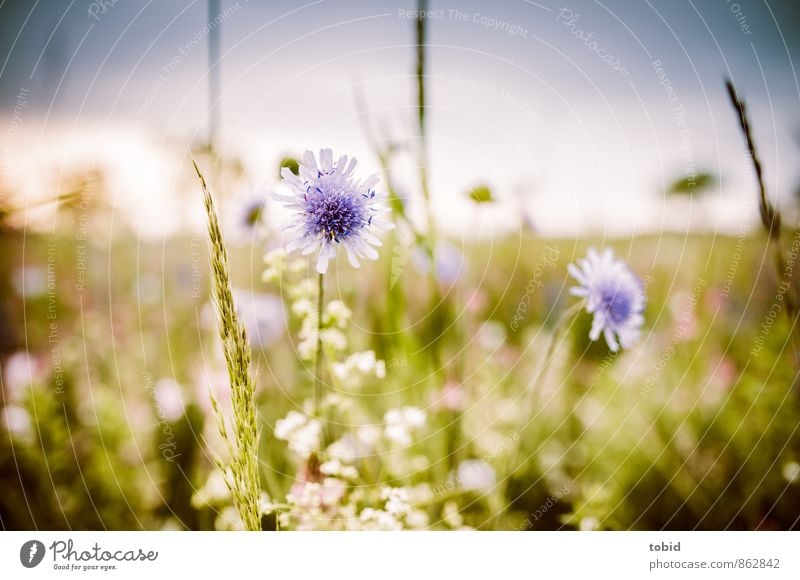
700, 440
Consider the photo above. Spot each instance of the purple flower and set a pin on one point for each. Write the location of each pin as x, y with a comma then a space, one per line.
331, 209
613, 294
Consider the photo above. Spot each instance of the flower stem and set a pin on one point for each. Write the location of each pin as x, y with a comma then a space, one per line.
318, 361
554, 341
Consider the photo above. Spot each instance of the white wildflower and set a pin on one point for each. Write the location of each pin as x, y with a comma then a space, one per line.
301, 433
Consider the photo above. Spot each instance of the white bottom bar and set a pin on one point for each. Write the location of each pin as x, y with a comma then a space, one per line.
388, 555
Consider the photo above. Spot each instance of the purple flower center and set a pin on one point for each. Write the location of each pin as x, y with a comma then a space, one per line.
616, 303
333, 214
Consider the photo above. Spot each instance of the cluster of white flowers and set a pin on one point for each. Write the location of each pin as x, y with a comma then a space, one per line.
398, 513
401, 423
332, 505
336, 314
318, 497
356, 445
334, 320
354, 369
302, 433
302, 294
396, 500
336, 468
329, 491
374, 520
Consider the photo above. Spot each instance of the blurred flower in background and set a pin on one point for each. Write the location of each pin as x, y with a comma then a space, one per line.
246, 218
613, 294
450, 263
263, 316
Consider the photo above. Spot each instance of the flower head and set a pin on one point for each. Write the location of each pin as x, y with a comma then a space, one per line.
614, 295
302, 433
401, 422
331, 209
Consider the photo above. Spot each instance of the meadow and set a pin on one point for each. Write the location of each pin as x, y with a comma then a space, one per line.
110, 348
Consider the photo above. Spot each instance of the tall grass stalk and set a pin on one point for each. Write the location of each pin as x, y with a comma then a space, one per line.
436, 309
770, 216
396, 312
422, 149
561, 326
241, 432
771, 221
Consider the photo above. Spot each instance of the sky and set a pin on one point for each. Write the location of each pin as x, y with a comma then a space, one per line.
577, 114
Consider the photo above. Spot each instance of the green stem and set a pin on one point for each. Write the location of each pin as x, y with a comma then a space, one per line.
318, 362
512, 466
422, 151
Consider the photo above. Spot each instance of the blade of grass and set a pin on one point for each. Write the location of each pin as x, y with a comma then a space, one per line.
770, 217
241, 470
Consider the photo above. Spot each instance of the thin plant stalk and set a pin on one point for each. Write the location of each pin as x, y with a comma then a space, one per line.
396, 309
240, 433
770, 217
214, 76
421, 33
422, 149
422, 152
318, 385
527, 404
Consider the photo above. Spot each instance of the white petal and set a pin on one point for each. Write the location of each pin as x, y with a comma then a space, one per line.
350, 168
307, 175
612, 342
326, 159
309, 244
296, 243
324, 258
382, 224
598, 323
628, 337
366, 250
576, 273
371, 239
309, 161
351, 255
370, 182
283, 198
